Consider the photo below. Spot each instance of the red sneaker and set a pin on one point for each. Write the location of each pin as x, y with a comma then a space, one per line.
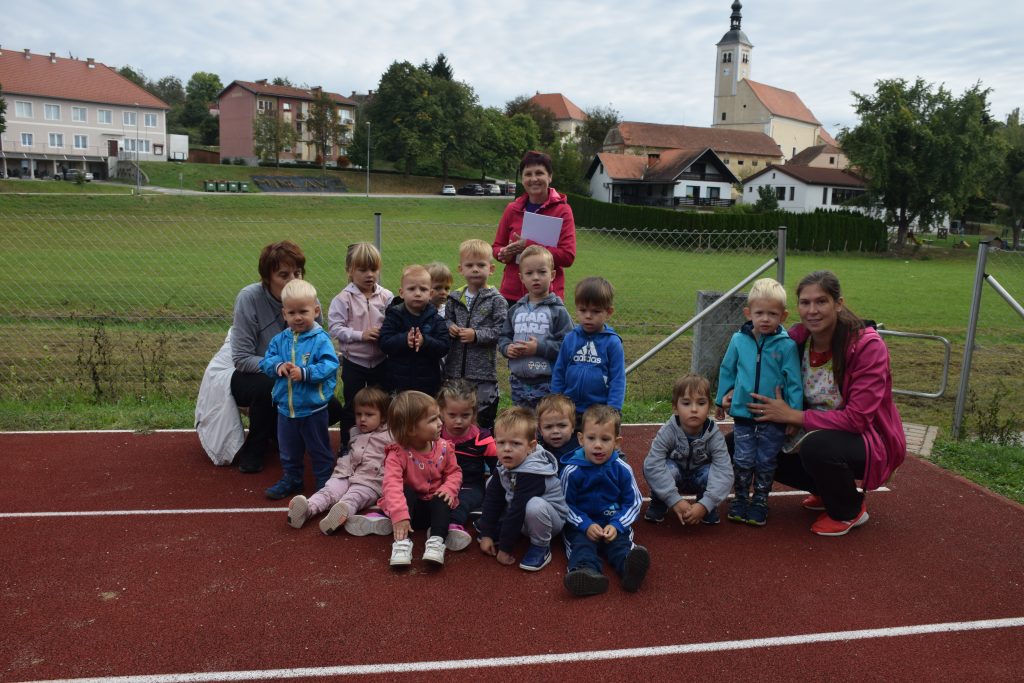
813, 502
826, 526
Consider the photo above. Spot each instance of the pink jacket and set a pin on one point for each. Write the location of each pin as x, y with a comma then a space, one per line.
425, 473
364, 463
564, 253
351, 313
868, 408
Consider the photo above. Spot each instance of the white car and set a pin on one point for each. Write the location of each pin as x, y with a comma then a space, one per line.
448, 189
491, 188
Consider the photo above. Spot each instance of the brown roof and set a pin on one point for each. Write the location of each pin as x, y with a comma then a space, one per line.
666, 168
559, 105
70, 79
722, 140
824, 136
782, 102
811, 153
815, 176
264, 88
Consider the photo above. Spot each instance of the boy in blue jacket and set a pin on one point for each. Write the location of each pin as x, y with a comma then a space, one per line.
303, 360
414, 336
591, 365
604, 501
761, 358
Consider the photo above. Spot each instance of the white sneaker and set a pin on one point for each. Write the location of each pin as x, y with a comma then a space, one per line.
458, 537
334, 518
434, 552
401, 553
298, 512
370, 523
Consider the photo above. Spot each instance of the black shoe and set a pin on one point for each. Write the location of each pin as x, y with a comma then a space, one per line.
638, 561
249, 462
582, 582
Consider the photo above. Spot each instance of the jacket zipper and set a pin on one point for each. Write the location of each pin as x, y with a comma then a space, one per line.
291, 405
469, 320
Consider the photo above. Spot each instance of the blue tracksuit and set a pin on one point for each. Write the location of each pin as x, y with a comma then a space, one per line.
591, 369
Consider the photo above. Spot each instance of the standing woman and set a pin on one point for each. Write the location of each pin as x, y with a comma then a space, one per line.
256, 319
540, 198
853, 430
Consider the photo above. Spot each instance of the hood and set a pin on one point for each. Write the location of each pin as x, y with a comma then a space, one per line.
427, 311
748, 329
484, 293
539, 461
554, 197
311, 332
551, 299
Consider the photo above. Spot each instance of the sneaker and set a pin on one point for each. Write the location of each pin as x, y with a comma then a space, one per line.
536, 558
334, 518
298, 512
284, 488
757, 514
638, 561
738, 510
458, 538
826, 526
582, 582
370, 523
654, 516
813, 502
712, 517
434, 551
249, 462
401, 553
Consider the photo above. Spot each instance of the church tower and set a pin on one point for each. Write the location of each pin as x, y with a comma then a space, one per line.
732, 65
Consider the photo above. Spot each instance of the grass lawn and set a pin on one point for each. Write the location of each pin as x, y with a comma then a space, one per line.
63, 187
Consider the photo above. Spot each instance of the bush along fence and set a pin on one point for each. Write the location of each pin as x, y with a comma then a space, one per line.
818, 231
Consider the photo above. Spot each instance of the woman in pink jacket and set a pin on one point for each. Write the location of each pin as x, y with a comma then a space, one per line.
850, 427
540, 198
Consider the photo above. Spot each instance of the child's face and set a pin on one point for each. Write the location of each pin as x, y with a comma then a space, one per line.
536, 276
415, 292
458, 416
599, 441
555, 428
364, 278
427, 429
476, 270
592, 318
766, 315
368, 419
692, 412
439, 292
300, 314
513, 447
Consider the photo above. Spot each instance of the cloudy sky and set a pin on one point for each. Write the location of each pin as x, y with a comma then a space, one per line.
652, 60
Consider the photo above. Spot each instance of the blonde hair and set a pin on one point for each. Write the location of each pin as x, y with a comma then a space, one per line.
474, 247
361, 255
414, 270
694, 385
405, 411
601, 414
457, 390
439, 272
298, 290
517, 420
557, 403
538, 250
767, 289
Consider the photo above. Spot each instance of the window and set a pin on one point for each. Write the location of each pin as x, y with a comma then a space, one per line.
23, 110
792, 193
56, 140
264, 105
286, 106
723, 116
136, 145
739, 162
128, 118
832, 160
750, 189
714, 193
81, 142
755, 162
104, 116
726, 58
158, 150
725, 161
692, 191
780, 193
26, 139
149, 120
746, 57
78, 114
794, 152
824, 195
51, 112
841, 194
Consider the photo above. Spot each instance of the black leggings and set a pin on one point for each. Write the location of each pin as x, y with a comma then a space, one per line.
433, 513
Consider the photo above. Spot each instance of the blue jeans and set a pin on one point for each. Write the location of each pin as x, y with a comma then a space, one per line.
295, 436
757, 445
586, 554
687, 481
528, 395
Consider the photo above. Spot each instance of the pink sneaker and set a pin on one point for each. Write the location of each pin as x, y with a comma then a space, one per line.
826, 526
458, 537
370, 523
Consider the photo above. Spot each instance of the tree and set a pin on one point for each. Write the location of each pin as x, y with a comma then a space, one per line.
767, 200
499, 142
923, 152
406, 116
1010, 182
3, 115
442, 69
594, 130
170, 90
136, 77
282, 80
324, 126
271, 135
200, 93
567, 168
545, 120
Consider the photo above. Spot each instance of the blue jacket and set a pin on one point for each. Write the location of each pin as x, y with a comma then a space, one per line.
600, 494
591, 369
409, 369
312, 351
758, 366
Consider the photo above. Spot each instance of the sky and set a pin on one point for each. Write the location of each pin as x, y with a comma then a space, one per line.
651, 60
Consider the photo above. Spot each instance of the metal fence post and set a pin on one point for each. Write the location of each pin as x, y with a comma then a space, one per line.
972, 328
377, 232
780, 268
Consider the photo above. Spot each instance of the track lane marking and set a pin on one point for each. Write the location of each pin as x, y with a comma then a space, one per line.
562, 658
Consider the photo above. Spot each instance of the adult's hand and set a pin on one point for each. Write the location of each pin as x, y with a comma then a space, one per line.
509, 252
768, 409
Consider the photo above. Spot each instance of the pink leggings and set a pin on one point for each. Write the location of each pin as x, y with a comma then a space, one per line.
355, 496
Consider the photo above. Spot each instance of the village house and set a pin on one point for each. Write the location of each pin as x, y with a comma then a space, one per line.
568, 117
804, 189
669, 178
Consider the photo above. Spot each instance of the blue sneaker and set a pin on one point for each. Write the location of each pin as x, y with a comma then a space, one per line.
536, 558
757, 514
712, 517
284, 488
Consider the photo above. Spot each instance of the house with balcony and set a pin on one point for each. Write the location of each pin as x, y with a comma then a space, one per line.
242, 101
75, 114
671, 178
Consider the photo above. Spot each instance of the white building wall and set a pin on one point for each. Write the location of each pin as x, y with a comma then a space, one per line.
601, 185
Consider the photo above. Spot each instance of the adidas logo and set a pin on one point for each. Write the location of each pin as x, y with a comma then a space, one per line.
587, 354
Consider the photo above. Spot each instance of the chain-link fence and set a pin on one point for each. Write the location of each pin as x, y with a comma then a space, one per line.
114, 307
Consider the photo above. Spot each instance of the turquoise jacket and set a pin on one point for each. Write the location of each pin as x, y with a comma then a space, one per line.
312, 351
758, 366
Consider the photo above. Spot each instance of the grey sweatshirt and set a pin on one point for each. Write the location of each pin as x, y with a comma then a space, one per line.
549, 322
671, 444
256, 320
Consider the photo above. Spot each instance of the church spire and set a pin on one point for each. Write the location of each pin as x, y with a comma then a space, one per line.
736, 18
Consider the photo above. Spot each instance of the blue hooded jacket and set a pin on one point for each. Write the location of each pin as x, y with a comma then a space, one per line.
591, 369
758, 366
312, 351
600, 494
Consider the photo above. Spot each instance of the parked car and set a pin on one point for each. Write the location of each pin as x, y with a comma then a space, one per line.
475, 189
73, 173
492, 188
448, 189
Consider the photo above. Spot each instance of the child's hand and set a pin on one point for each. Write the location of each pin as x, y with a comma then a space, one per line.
417, 339
487, 546
528, 347
514, 350
610, 533
595, 533
727, 400
295, 373
447, 498
371, 334
453, 331
505, 558
282, 369
696, 513
401, 529
681, 509
467, 335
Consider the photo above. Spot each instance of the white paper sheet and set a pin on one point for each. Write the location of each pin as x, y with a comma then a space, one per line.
542, 229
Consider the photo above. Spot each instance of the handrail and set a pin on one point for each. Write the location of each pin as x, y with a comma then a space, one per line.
945, 361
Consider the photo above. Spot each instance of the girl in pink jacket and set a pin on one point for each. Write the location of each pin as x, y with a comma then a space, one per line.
356, 481
421, 478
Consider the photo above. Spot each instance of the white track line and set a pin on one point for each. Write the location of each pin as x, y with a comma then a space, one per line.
567, 657
188, 431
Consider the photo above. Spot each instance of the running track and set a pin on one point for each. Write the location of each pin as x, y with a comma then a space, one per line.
127, 555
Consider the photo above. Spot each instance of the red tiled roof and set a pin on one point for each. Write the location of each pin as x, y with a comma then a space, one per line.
559, 105
782, 102
721, 140
811, 153
70, 79
665, 168
623, 166
286, 91
815, 176
826, 138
